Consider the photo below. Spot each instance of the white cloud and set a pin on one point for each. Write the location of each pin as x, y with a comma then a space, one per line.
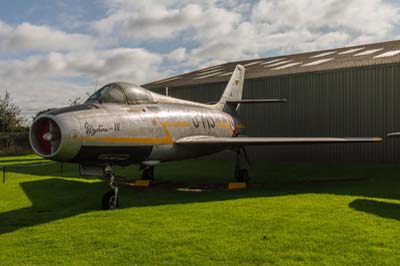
161, 23
28, 37
127, 64
177, 55
152, 20
232, 30
36, 94
358, 17
40, 82
208, 32
121, 63
288, 26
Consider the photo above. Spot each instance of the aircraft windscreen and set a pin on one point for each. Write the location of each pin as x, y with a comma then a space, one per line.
108, 94
97, 95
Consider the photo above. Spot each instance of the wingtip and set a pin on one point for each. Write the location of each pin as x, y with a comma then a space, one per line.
366, 139
393, 134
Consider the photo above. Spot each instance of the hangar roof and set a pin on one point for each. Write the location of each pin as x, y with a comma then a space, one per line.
355, 56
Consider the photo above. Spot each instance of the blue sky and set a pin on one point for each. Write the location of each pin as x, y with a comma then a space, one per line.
53, 51
51, 12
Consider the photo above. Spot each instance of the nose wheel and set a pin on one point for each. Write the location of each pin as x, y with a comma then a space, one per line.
110, 199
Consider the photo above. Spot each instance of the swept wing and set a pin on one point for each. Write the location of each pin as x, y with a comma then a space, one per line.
244, 141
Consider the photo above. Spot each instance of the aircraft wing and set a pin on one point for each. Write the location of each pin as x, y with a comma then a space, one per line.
244, 141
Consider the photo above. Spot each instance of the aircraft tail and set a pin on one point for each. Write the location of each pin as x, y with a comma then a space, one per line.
232, 96
233, 91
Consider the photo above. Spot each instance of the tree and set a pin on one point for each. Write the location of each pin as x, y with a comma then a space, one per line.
10, 119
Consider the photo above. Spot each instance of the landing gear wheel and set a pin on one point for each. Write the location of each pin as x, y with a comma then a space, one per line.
109, 201
242, 176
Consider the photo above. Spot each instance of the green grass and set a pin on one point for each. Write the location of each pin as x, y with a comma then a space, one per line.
293, 214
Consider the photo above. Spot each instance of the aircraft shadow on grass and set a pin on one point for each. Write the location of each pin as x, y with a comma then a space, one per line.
382, 209
56, 198
22, 160
51, 199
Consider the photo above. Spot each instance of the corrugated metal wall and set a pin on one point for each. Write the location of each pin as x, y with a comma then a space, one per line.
351, 102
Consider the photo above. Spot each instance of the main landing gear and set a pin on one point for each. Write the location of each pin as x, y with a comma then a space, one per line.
241, 174
148, 172
110, 199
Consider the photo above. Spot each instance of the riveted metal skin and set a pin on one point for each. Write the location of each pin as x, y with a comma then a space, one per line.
131, 133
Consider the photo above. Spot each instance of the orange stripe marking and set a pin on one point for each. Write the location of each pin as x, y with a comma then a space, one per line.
223, 125
163, 140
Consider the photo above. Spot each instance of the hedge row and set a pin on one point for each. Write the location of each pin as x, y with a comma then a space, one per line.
14, 143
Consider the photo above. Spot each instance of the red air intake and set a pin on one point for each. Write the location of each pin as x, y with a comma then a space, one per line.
45, 136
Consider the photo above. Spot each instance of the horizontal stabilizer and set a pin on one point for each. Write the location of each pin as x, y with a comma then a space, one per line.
394, 134
243, 141
259, 101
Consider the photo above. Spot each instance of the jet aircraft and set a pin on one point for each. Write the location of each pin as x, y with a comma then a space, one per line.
123, 124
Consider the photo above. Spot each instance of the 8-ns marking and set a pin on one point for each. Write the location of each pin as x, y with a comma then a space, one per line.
205, 122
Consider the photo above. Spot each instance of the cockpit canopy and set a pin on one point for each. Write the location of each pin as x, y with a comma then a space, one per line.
121, 93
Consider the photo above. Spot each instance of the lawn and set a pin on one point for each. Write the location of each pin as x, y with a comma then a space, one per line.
292, 214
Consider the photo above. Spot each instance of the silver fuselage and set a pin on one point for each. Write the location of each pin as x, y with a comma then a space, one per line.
127, 134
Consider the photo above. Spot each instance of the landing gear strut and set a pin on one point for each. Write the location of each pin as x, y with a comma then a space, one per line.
148, 172
241, 174
110, 199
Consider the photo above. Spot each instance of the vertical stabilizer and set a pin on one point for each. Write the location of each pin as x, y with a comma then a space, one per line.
233, 91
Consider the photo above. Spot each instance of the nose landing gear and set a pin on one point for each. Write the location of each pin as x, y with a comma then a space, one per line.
110, 199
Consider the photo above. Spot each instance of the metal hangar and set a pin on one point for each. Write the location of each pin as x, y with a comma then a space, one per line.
352, 91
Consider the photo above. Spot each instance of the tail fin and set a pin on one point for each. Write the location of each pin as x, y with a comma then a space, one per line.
233, 91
